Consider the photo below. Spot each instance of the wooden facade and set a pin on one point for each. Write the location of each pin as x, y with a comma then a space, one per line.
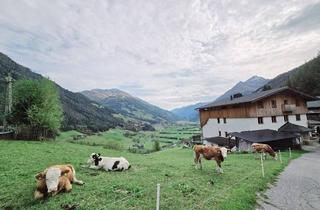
279, 104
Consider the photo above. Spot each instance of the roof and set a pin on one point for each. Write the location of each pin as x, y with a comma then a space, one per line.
266, 135
255, 97
221, 141
313, 104
289, 127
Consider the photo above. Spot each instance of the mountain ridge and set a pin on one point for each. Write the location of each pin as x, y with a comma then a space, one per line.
130, 107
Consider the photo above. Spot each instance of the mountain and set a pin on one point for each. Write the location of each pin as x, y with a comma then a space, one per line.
131, 108
79, 112
245, 88
304, 78
188, 112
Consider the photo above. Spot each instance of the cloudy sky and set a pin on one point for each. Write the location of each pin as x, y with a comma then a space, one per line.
168, 52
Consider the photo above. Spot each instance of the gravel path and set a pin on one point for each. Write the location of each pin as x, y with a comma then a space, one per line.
298, 187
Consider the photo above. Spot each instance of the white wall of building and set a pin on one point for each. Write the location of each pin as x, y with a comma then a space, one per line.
212, 128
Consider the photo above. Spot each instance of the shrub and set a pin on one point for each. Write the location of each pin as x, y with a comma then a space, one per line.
156, 146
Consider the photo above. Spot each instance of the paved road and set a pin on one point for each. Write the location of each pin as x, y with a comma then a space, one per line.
298, 187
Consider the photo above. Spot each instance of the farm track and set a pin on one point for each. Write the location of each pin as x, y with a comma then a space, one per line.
298, 187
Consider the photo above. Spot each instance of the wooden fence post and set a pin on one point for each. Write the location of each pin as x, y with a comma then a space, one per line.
262, 167
158, 197
290, 152
280, 158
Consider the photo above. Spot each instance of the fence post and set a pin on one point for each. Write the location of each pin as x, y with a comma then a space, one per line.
262, 167
280, 158
290, 152
158, 197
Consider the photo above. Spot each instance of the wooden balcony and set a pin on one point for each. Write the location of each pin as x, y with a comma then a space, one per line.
288, 108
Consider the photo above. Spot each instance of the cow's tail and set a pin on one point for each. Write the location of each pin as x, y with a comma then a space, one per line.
75, 180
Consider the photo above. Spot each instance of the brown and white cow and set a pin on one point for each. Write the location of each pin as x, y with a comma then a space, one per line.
55, 179
210, 153
264, 148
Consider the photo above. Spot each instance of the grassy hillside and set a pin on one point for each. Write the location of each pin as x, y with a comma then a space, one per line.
130, 107
79, 111
182, 186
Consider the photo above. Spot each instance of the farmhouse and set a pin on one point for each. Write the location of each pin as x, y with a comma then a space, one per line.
314, 115
277, 140
269, 109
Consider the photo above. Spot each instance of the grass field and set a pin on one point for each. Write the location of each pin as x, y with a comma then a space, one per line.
126, 139
182, 186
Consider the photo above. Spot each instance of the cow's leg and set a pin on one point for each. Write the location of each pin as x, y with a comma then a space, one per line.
94, 167
197, 159
78, 182
38, 194
219, 169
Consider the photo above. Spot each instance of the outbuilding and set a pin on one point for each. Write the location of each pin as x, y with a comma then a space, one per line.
277, 140
304, 132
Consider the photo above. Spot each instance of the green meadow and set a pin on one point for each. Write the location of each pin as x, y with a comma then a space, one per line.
182, 186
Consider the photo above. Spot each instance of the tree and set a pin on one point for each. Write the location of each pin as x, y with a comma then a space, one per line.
36, 105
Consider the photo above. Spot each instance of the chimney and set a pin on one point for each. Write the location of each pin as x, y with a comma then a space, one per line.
231, 98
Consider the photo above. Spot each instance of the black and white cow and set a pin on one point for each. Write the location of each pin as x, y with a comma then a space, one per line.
97, 161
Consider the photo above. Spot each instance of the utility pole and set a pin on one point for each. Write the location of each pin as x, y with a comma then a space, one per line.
8, 100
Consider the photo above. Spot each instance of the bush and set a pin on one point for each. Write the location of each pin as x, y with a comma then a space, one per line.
113, 145
156, 146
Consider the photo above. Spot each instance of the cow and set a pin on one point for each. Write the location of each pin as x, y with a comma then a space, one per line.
55, 179
210, 153
264, 148
96, 161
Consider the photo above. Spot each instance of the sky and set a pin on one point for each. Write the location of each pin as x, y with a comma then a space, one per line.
170, 53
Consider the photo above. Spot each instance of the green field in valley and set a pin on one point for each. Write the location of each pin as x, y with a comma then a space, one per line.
182, 186
122, 140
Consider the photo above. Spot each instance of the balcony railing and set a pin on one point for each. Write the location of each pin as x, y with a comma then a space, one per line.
288, 107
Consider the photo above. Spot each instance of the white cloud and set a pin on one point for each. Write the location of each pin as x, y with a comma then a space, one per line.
170, 53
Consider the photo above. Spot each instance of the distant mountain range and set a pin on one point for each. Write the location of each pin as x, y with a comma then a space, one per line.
130, 108
79, 112
188, 112
245, 88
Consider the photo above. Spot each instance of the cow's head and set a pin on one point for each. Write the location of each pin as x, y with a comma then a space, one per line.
224, 151
52, 178
94, 159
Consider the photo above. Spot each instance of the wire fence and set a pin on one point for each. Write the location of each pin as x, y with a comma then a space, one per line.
165, 185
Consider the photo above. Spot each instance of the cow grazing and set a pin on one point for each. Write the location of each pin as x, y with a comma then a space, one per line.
210, 153
97, 161
264, 148
54, 180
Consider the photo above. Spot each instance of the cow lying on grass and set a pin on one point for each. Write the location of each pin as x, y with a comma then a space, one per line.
264, 148
97, 161
55, 179
210, 153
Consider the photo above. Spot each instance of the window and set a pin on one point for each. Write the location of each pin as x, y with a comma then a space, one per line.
224, 120
274, 103
274, 119
285, 101
226, 134
219, 133
260, 120
260, 105
298, 118
218, 119
286, 118
297, 102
